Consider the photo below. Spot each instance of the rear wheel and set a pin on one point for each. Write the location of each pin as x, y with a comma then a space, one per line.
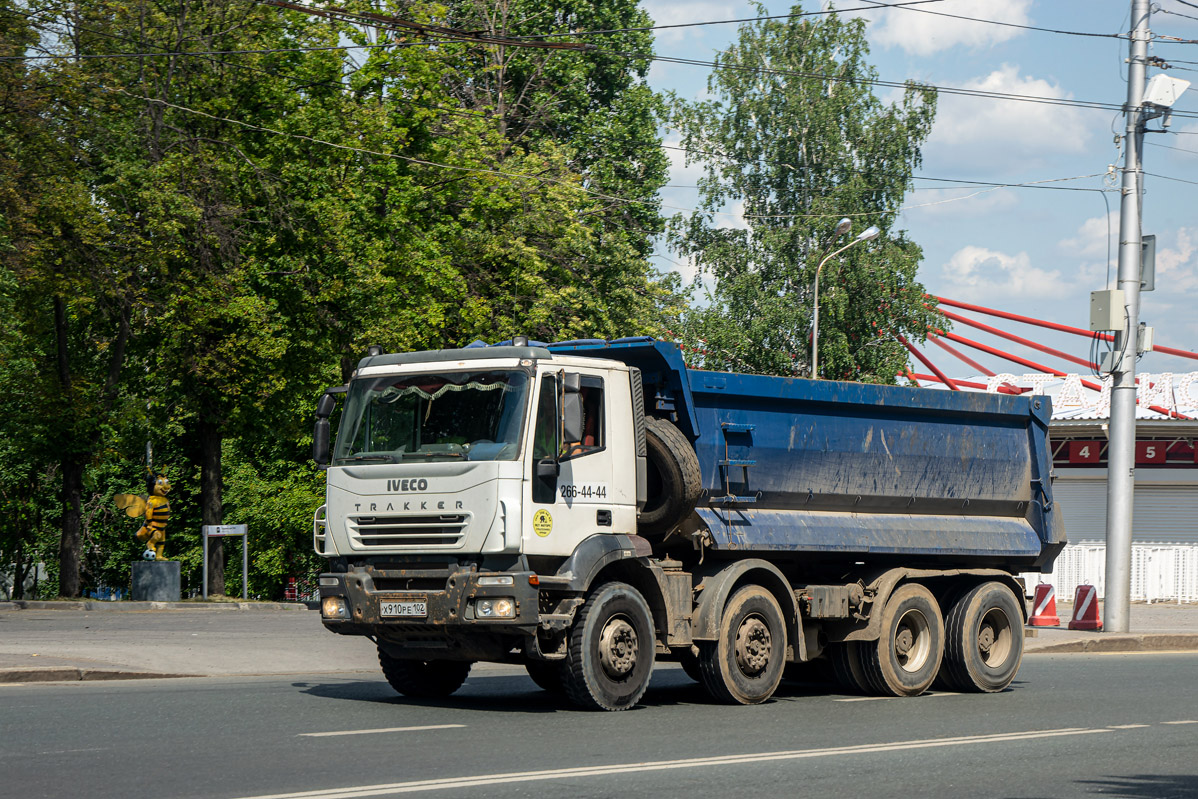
984, 640
906, 657
690, 664
846, 667
745, 665
610, 654
547, 674
424, 679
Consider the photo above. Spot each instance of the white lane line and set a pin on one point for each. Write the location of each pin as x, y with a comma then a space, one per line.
1180, 722
874, 698
1128, 726
388, 789
384, 729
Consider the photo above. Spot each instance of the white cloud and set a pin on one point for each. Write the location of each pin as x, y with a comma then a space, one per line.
1177, 268
673, 12
976, 274
1006, 135
921, 33
1096, 238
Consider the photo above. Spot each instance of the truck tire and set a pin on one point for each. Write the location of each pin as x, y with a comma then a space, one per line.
906, 657
547, 674
424, 679
674, 480
846, 667
983, 640
745, 665
609, 657
690, 664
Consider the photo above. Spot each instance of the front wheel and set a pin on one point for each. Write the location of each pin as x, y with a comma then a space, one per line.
984, 631
609, 658
547, 674
424, 679
905, 658
745, 665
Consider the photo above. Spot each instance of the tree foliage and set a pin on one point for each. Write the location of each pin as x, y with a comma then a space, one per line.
795, 139
197, 240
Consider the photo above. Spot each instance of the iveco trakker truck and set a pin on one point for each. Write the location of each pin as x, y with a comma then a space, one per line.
588, 507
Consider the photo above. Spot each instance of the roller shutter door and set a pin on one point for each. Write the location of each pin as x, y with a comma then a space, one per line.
1163, 513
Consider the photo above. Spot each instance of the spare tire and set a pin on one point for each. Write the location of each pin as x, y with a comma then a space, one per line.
673, 478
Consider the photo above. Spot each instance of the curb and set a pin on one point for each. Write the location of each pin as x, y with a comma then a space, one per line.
1147, 642
71, 674
89, 605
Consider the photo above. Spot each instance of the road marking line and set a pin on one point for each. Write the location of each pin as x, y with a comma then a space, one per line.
1128, 726
1179, 722
357, 791
873, 698
384, 729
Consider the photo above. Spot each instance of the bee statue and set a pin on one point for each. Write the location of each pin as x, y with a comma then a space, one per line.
157, 510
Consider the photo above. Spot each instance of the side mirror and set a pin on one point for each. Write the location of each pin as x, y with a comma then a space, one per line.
325, 406
320, 440
572, 383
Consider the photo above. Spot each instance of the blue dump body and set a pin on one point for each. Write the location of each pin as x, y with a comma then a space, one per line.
806, 466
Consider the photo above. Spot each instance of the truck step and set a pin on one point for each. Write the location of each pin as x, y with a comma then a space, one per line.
736, 427
737, 462
732, 500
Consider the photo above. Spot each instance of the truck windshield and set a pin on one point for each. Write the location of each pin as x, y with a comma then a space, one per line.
477, 416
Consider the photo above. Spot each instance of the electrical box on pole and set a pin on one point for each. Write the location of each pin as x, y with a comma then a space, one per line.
1107, 310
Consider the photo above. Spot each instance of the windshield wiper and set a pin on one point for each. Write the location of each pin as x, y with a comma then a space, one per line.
433, 455
387, 458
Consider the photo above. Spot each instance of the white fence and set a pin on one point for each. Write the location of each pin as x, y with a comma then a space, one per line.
1159, 572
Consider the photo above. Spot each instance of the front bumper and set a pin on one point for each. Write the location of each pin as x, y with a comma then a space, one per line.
449, 591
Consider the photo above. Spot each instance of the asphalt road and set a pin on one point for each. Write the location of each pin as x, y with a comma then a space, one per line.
1073, 725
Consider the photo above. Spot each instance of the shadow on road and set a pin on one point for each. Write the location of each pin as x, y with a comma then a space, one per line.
1148, 786
518, 694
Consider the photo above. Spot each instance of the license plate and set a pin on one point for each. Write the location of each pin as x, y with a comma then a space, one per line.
412, 608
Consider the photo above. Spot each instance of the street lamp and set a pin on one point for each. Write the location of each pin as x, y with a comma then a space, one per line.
869, 233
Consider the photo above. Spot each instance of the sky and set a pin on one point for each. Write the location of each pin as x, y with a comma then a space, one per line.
1034, 252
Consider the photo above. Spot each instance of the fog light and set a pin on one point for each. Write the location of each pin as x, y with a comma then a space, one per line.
497, 608
330, 581
334, 607
497, 579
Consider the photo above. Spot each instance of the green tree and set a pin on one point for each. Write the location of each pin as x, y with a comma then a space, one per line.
799, 138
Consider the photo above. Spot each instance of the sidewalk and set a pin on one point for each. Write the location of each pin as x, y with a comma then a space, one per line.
72, 641
1161, 626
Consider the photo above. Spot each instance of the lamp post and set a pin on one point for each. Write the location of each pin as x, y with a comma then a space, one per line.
869, 233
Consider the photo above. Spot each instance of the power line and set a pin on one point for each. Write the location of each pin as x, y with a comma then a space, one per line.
890, 84
1031, 185
904, 7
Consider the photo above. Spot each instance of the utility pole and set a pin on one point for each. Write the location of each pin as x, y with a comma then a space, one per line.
1121, 451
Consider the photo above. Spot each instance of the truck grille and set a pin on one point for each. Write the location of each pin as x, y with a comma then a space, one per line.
367, 532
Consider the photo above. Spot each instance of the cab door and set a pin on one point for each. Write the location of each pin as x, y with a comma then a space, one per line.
578, 501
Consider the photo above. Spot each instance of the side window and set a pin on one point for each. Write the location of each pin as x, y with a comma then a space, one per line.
545, 435
594, 434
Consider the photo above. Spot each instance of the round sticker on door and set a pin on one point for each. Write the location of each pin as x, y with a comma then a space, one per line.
542, 523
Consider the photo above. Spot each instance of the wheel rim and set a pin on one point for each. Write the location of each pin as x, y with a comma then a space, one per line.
912, 641
753, 646
995, 638
618, 647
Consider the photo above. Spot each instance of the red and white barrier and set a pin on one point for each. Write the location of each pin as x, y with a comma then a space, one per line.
1085, 609
1044, 607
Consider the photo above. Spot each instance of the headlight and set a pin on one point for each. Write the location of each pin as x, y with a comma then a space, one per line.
497, 579
334, 607
495, 608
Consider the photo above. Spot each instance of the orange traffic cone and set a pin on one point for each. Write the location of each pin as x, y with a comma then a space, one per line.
1044, 607
1085, 609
